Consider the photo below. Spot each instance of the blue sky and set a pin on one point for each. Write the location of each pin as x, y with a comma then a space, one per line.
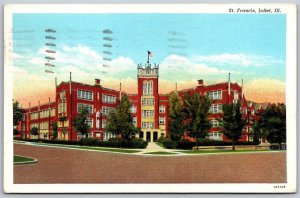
205, 46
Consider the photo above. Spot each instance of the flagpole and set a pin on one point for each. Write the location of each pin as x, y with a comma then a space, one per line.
148, 58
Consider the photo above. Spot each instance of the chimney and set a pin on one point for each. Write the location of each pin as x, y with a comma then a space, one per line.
200, 83
97, 82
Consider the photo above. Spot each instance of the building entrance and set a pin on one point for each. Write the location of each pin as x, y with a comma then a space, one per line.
148, 136
155, 136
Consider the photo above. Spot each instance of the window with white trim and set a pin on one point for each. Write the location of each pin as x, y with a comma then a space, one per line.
214, 95
147, 87
107, 110
103, 123
235, 96
147, 101
214, 122
215, 108
215, 135
89, 121
134, 120
133, 109
147, 113
88, 107
162, 109
147, 125
85, 95
108, 98
161, 120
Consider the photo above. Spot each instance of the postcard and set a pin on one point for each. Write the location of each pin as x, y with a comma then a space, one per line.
150, 98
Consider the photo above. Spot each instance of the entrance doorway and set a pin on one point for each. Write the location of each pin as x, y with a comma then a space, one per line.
148, 136
142, 135
155, 134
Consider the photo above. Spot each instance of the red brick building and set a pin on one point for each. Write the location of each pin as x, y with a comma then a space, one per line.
149, 108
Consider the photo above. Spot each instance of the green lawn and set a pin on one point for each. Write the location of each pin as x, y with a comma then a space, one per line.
117, 150
222, 151
19, 159
160, 153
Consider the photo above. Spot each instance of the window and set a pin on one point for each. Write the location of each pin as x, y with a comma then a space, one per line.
34, 116
62, 107
52, 112
108, 98
148, 87
133, 109
62, 95
215, 108
147, 125
88, 107
89, 122
214, 122
215, 136
147, 101
161, 120
134, 120
215, 95
103, 123
107, 110
162, 109
108, 135
147, 113
235, 97
85, 95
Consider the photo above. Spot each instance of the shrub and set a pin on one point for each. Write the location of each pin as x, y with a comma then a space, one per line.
139, 143
161, 139
90, 142
208, 142
169, 144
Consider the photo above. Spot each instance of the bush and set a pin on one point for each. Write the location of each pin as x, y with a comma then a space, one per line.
169, 144
139, 143
161, 139
90, 142
116, 143
208, 142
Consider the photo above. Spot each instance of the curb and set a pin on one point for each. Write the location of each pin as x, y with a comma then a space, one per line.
25, 162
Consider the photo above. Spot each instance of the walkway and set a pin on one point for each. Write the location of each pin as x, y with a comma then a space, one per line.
153, 147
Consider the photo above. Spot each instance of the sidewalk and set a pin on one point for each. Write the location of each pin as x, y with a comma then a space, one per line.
153, 147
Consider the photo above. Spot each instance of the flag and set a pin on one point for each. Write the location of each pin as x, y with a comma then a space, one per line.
150, 54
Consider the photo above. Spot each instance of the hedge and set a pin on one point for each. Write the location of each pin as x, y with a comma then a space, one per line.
135, 143
169, 144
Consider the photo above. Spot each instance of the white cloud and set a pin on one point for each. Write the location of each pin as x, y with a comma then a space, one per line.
182, 64
245, 60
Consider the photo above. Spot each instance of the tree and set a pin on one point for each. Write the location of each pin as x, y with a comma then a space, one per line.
34, 131
16, 132
54, 130
120, 121
196, 108
273, 123
233, 122
80, 123
17, 113
176, 117
256, 132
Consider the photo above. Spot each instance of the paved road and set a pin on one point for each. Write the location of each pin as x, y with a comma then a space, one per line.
58, 165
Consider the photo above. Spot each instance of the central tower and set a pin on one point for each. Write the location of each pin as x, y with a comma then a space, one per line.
148, 101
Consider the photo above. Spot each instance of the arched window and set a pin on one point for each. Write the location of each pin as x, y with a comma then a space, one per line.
145, 89
150, 87
235, 97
